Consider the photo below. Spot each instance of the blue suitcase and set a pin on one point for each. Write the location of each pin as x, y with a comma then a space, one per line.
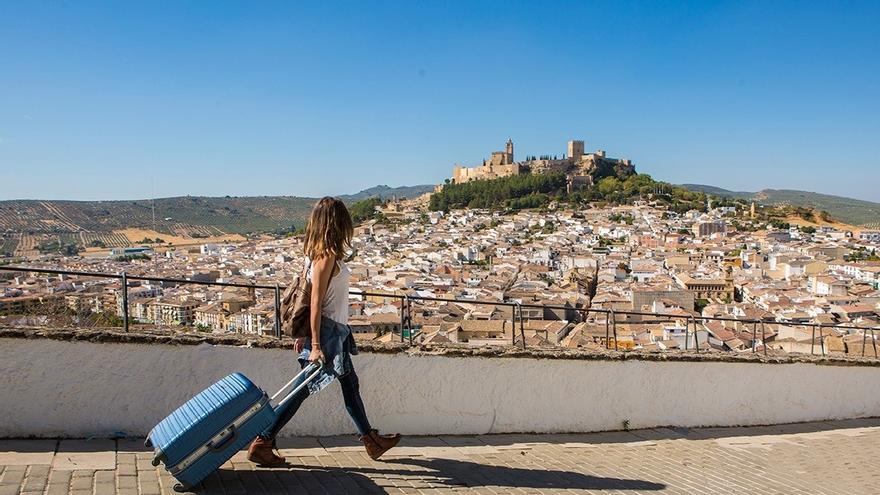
199, 436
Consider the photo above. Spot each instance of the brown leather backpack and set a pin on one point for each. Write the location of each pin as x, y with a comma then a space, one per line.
295, 306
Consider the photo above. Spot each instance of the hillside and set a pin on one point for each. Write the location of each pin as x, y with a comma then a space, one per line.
386, 192
524, 191
189, 215
178, 215
717, 191
847, 210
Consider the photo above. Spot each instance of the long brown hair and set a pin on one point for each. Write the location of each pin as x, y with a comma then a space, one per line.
329, 230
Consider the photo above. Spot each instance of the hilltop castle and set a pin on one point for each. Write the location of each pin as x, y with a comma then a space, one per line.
580, 167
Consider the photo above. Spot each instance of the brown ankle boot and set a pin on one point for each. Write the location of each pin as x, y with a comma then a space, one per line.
262, 453
377, 444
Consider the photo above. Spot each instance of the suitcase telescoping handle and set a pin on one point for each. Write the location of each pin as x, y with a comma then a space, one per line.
312, 370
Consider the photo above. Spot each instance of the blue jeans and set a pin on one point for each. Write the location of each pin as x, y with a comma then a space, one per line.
351, 395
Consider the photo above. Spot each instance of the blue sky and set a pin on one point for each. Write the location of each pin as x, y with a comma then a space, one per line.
122, 100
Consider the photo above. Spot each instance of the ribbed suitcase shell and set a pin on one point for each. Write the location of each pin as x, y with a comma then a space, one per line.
195, 423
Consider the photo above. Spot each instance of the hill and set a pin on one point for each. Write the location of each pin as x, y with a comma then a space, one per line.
229, 214
386, 192
188, 215
847, 210
536, 190
717, 191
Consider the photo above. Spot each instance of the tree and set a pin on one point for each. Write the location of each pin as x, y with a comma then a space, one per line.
365, 209
779, 224
516, 192
700, 304
608, 186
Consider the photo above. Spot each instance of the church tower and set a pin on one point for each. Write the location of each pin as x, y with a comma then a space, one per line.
508, 151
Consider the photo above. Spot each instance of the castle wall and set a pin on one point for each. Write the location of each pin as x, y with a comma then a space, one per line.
578, 163
484, 172
544, 166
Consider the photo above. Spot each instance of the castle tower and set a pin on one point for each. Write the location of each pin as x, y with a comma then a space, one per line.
575, 149
508, 150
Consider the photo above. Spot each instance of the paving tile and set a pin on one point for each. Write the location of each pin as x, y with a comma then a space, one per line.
27, 452
59, 477
469, 445
340, 443
36, 479
605, 437
85, 454
510, 441
13, 476
301, 447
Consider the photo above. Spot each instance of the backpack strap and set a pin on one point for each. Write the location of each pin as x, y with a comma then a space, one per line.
307, 266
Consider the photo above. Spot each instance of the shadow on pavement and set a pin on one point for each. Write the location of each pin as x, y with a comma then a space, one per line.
747, 431
456, 472
440, 473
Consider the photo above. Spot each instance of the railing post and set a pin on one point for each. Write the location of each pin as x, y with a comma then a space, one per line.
763, 338
754, 336
874, 342
522, 332
614, 328
687, 329
125, 302
822, 339
409, 319
864, 341
516, 311
696, 337
687, 333
402, 315
813, 341
607, 329
277, 311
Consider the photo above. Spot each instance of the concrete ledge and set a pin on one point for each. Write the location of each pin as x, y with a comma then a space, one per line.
67, 384
111, 335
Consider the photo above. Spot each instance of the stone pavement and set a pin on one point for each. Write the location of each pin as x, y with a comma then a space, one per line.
834, 457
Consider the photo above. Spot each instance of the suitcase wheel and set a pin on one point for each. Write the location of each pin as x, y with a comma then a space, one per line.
179, 488
148, 443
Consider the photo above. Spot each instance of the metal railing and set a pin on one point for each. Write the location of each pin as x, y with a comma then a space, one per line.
515, 307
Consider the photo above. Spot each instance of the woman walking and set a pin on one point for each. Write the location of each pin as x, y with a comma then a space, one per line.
328, 236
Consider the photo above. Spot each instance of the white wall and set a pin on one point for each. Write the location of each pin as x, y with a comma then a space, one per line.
80, 389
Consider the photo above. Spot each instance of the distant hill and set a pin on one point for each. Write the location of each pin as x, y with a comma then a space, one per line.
717, 191
847, 210
185, 215
188, 216
386, 192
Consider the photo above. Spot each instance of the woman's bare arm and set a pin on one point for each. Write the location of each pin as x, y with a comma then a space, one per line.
322, 269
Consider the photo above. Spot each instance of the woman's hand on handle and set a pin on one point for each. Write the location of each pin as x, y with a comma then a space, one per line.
316, 355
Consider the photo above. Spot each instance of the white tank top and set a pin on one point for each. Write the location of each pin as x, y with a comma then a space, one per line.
335, 304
